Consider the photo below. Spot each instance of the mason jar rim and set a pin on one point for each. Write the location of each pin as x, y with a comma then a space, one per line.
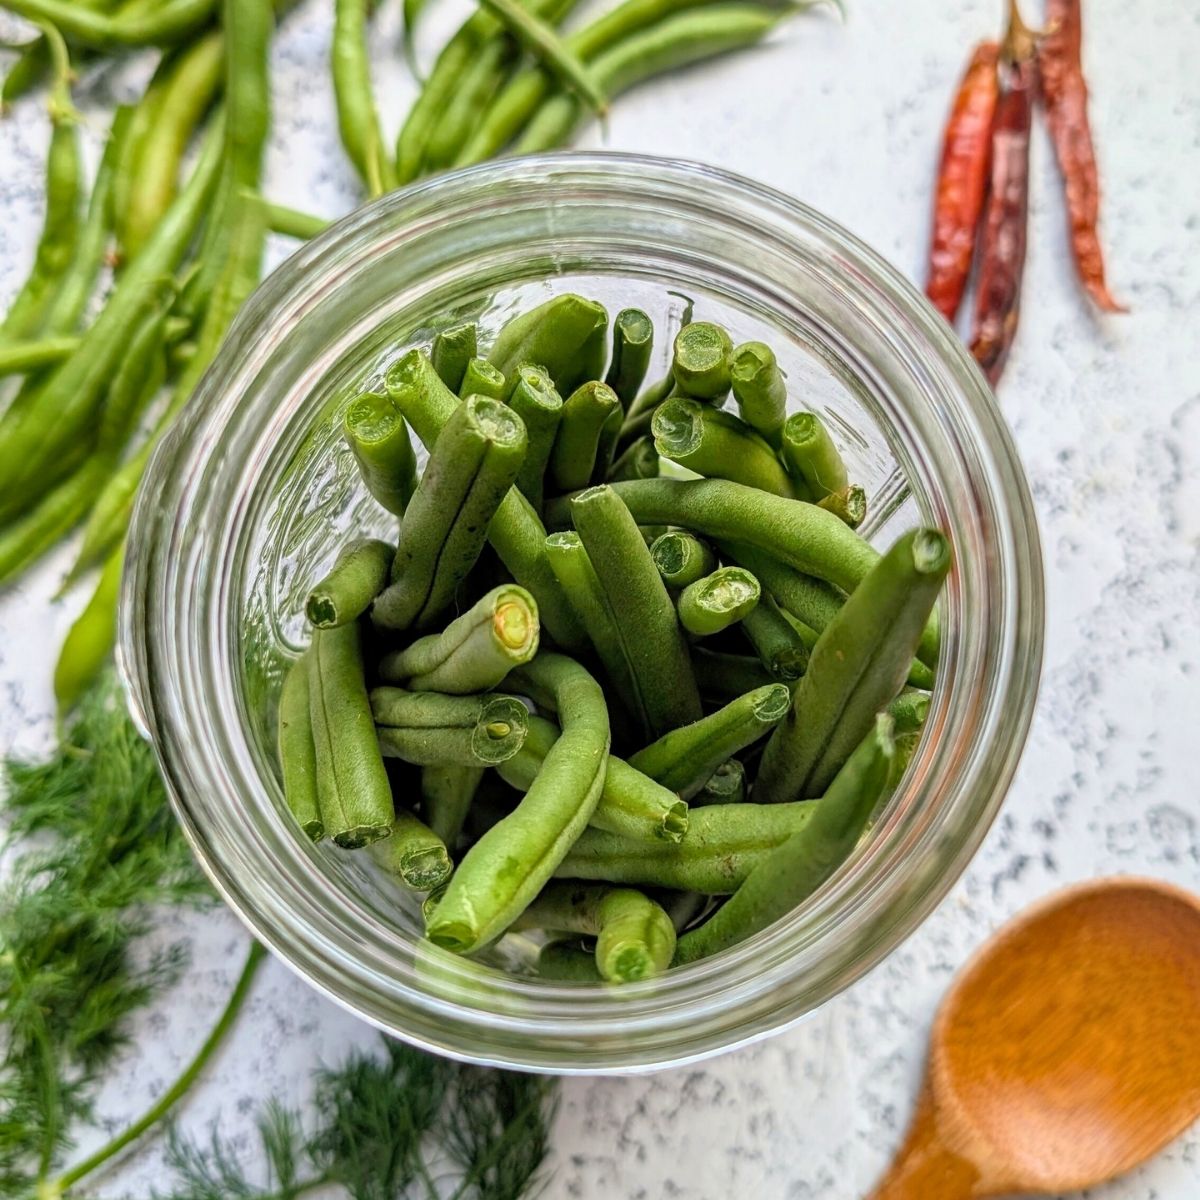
179, 664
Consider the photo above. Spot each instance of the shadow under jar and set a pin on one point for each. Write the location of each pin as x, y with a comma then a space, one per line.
253, 494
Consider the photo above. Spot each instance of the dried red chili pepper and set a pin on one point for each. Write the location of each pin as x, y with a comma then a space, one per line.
1005, 222
962, 180
1065, 92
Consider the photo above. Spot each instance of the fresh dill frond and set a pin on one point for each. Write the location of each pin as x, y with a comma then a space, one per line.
93, 851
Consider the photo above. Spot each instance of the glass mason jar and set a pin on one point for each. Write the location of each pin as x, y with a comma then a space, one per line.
250, 498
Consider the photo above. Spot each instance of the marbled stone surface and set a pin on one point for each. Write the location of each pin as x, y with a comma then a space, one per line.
1107, 416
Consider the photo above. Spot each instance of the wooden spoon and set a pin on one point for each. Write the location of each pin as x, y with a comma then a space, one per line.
1067, 1051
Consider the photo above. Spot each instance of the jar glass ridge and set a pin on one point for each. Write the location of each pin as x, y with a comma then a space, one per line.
252, 494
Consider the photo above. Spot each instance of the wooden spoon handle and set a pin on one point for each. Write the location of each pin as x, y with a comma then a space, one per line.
924, 1169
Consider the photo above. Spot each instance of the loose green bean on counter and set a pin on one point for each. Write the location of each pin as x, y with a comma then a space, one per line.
711, 709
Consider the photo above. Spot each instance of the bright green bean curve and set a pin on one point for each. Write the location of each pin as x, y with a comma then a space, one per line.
475, 651
516, 531
566, 336
378, 438
576, 453
513, 860
811, 457
536, 401
358, 575
471, 468
760, 390
795, 870
89, 642
358, 120
857, 668
683, 759
724, 842
169, 22
452, 350
413, 854
718, 601
297, 750
432, 730
18, 358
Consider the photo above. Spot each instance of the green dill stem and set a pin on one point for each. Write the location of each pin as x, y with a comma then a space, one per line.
179, 1088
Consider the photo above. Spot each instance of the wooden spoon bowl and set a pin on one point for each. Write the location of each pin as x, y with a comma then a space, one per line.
1067, 1051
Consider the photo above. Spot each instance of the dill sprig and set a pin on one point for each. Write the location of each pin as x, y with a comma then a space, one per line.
93, 851
383, 1123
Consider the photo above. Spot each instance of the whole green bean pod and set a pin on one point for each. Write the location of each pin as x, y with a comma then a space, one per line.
681, 558
358, 575
297, 750
19, 358
811, 457
292, 223
576, 452
724, 842
358, 120
378, 438
249, 26
857, 668
653, 642
482, 379
452, 350
631, 804
516, 531
723, 677
164, 24
446, 796
89, 642
413, 854
475, 651
726, 785
568, 961
513, 860
432, 730
683, 759
848, 504
353, 793
775, 641
717, 444
141, 374
473, 464
632, 345
536, 401
639, 461
566, 336
25, 72
141, 124
787, 876
718, 601
760, 390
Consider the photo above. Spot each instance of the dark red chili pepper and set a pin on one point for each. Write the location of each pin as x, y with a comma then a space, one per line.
1005, 221
1065, 92
962, 180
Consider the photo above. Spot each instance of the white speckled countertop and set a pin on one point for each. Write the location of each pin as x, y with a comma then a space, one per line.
1107, 417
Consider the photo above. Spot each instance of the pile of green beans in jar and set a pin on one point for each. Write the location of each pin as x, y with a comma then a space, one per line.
627, 677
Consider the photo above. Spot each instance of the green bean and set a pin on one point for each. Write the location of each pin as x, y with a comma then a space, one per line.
168, 22
475, 651
138, 380
653, 642
857, 668
812, 601
482, 379
446, 796
908, 711
640, 416
565, 336
848, 504
775, 641
353, 793
811, 457
471, 468
514, 859
452, 350
701, 361
432, 730
26, 72
298, 751
60, 228
187, 93
568, 961
358, 575
291, 222
723, 677
726, 785
358, 121
516, 531
552, 52
670, 44
717, 601
724, 842
792, 872
639, 461
632, 345
631, 804
683, 759
90, 640
681, 558
576, 454
413, 854
717, 444
249, 26
378, 437
142, 120
536, 401
409, 12
760, 390
19, 358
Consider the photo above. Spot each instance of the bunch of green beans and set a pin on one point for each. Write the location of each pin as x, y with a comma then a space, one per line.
719, 710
